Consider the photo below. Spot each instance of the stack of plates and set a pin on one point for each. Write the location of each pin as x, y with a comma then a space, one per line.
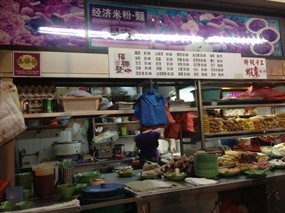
206, 165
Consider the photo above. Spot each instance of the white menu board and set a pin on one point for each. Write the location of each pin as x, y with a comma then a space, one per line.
145, 63
254, 68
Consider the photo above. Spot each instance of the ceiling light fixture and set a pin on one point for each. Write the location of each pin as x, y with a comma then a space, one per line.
185, 39
279, 1
62, 31
234, 40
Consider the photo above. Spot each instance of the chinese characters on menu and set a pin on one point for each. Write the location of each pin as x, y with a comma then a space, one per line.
141, 63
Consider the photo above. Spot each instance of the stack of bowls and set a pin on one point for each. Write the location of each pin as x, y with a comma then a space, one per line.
24, 205
206, 165
8, 205
65, 191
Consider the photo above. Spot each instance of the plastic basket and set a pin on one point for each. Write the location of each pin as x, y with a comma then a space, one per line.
75, 104
211, 93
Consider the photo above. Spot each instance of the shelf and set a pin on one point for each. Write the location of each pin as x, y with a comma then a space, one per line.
95, 113
46, 115
127, 136
40, 127
227, 135
243, 104
102, 112
243, 82
116, 123
183, 109
78, 114
238, 116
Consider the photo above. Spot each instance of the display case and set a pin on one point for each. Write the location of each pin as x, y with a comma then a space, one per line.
224, 116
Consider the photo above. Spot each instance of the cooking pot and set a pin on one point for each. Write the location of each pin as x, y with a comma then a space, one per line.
67, 148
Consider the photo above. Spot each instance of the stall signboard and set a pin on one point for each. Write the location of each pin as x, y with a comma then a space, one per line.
111, 25
26, 64
90, 24
254, 68
145, 63
47, 23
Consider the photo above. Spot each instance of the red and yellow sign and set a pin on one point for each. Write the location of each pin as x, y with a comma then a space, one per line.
26, 64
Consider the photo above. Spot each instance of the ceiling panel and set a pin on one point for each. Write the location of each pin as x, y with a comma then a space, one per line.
255, 7
261, 7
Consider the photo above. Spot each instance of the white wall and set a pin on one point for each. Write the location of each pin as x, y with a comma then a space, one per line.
41, 140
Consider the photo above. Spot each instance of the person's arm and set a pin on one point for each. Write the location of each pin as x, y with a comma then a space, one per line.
169, 145
136, 149
168, 141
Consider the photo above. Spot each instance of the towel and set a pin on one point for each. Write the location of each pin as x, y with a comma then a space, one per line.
75, 203
200, 181
148, 185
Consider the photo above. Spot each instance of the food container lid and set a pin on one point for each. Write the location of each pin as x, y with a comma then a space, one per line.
103, 191
104, 188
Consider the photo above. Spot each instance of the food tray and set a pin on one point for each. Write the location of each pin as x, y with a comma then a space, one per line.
75, 104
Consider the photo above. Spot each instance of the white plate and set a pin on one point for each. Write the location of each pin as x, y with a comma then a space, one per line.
252, 46
255, 19
272, 29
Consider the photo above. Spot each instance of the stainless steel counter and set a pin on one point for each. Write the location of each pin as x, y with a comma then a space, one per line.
186, 196
201, 198
223, 183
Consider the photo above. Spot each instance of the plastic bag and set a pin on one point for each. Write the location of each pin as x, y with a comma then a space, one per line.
172, 131
107, 136
170, 118
12, 121
150, 109
187, 122
266, 93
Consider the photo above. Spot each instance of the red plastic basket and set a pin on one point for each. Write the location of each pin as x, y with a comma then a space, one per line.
3, 185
